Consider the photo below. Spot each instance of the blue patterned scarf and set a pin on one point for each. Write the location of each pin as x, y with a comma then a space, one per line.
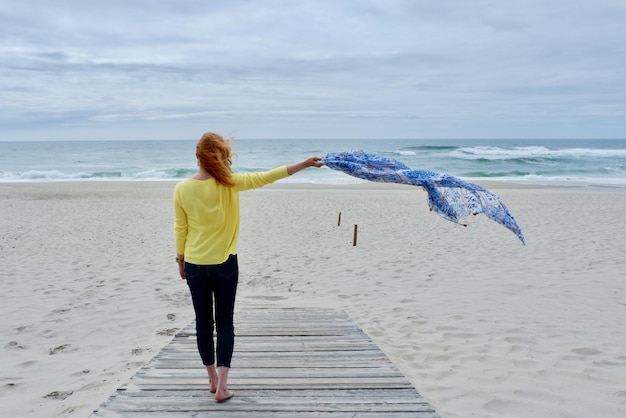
451, 197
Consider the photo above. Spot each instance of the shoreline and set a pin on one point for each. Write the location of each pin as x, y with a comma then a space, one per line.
365, 185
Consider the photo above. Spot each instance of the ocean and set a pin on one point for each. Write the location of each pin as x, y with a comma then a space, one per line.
549, 162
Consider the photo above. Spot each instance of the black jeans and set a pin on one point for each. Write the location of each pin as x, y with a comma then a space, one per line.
207, 283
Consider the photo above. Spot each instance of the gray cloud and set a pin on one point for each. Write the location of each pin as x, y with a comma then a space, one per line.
312, 68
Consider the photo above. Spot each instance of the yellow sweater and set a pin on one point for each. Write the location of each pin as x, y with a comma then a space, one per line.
206, 213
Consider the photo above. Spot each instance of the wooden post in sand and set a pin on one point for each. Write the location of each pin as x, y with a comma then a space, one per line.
354, 236
339, 220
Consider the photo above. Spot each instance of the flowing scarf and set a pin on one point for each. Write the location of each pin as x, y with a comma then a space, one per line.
449, 196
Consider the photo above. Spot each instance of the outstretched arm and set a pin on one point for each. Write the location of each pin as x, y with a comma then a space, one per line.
309, 162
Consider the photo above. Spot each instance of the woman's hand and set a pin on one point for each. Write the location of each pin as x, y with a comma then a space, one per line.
181, 265
314, 162
309, 162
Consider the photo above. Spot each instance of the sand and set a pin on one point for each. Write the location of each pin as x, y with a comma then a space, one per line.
481, 325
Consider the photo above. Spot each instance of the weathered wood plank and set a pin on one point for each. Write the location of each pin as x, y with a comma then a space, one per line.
283, 382
261, 402
265, 414
408, 393
288, 363
381, 371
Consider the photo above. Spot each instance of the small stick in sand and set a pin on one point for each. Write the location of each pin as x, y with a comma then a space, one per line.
354, 236
339, 220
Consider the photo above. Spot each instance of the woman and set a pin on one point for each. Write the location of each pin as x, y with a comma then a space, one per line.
206, 225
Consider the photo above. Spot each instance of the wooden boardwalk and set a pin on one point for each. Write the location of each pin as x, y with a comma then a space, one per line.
287, 363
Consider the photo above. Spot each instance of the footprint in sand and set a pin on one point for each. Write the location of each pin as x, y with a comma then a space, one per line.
22, 328
59, 395
169, 331
7, 387
14, 345
27, 364
64, 348
587, 351
60, 311
82, 372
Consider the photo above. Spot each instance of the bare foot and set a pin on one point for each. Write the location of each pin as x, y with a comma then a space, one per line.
212, 387
224, 396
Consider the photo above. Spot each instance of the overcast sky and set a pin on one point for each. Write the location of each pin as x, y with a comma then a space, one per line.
141, 69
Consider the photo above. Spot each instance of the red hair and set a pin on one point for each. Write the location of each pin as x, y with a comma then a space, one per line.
215, 157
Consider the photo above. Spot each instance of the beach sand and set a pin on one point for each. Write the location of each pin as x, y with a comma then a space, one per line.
480, 324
